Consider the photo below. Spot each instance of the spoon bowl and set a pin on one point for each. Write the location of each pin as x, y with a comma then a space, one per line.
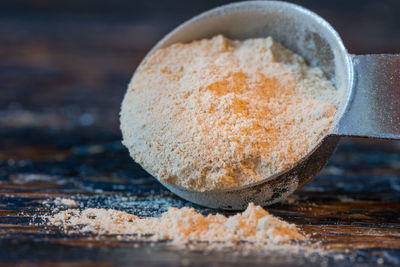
310, 36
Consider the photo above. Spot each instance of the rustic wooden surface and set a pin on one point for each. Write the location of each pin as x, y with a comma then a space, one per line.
63, 72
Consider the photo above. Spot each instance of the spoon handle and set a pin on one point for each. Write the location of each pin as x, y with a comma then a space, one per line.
374, 106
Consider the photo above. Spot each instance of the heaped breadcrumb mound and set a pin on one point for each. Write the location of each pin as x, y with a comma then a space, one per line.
181, 226
216, 113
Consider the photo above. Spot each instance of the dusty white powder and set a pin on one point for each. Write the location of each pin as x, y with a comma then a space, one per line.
181, 226
216, 113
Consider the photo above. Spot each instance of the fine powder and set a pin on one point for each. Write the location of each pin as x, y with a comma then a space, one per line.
216, 113
181, 226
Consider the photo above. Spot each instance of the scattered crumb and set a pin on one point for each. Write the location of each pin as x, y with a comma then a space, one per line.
338, 257
65, 202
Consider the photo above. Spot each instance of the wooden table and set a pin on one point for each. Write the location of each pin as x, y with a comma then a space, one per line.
62, 78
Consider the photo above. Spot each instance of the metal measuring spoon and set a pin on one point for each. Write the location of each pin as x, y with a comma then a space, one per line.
369, 87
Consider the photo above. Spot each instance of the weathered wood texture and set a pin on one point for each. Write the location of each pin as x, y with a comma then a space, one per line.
63, 72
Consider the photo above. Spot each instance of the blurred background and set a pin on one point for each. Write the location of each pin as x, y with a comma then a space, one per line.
65, 64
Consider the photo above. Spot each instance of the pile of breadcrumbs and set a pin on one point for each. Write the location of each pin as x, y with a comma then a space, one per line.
217, 113
180, 226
